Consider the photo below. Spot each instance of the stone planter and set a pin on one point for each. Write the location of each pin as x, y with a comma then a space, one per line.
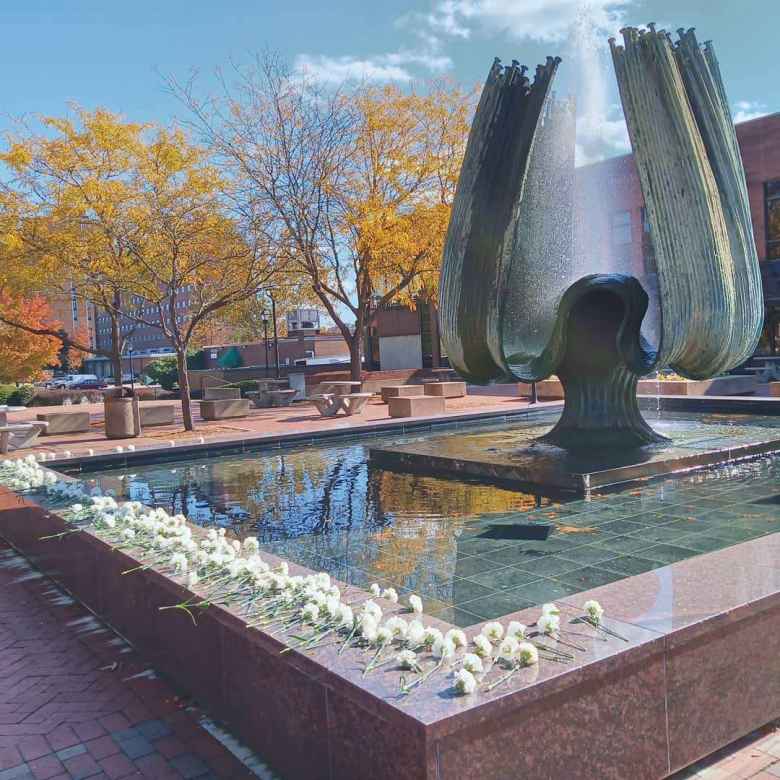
122, 417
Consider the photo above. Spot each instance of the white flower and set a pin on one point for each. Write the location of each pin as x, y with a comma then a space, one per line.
493, 631
368, 627
457, 637
397, 627
76, 508
346, 616
373, 609
527, 654
594, 610
390, 594
443, 648
415, 603
383, 635
484, 648
310, 612
432, 635
550, 609
128, 534
508, 648
415, 633
473, 663
549, 624
375, 589
407, 659
179, 563
465, 682
516, 630
192, 579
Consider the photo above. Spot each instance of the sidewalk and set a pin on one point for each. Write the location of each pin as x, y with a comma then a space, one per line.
77, 702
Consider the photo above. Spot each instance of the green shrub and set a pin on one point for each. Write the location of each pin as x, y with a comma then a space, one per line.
245, 386
164, 372
196, 361
5, 393
22, 395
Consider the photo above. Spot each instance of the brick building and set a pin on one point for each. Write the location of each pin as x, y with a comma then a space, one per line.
75, 315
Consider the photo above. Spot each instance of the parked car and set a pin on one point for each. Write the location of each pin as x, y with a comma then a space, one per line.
88, 384
69, 380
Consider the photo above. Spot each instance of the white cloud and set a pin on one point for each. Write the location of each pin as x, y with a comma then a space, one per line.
601, 135
538, 20
745, 110
382, 67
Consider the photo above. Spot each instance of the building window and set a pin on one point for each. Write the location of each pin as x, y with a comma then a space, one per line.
772, 199
621, 228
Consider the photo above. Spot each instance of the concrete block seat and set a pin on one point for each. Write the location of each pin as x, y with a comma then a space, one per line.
64, 422
354, 402
416, 406
221, 393
223, 409
401, 391
156, 414
19, 435
266, 398
446, 389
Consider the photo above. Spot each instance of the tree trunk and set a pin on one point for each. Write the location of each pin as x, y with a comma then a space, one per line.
184, 390
116, 352
356, 356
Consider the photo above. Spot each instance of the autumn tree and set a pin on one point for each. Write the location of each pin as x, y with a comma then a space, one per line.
131, 218
352, 186
23, 353
67, 217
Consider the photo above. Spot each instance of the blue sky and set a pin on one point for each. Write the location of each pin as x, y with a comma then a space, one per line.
112, 54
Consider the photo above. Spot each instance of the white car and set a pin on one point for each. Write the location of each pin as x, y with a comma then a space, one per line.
68, 380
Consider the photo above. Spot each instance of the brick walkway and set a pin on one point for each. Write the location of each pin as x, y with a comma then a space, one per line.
77, 702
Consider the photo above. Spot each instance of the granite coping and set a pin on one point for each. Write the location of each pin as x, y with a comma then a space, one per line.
714, 610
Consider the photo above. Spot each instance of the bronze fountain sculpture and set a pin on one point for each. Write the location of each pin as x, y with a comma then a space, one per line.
516, 301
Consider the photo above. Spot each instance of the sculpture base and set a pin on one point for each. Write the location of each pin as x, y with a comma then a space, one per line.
519, 458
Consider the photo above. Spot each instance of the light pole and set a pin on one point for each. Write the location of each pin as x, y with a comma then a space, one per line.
276, 335
264, 317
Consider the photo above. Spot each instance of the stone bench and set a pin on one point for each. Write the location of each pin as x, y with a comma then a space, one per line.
64, 422
416, 406
159, 414
20, 435
221, 393
446, 389
224, 409
264, 399
401, 391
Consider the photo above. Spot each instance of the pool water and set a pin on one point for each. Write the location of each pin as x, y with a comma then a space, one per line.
472, 551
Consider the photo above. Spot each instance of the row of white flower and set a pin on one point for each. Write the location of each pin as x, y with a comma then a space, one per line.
228, 572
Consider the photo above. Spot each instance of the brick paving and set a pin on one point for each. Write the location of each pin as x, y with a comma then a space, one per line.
77, 702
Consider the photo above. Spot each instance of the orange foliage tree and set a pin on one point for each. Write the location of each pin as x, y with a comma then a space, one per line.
23, 354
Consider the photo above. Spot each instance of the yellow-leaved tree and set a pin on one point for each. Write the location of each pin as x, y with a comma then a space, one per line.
133, 218
354, 185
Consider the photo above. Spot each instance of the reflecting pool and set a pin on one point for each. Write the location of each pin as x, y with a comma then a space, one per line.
472, 551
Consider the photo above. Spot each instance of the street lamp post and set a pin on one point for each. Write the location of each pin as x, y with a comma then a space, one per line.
265, 338
276, 335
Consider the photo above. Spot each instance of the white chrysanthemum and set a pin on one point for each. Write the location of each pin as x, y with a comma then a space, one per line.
192, 579
457, 637
407, 659
415, 603
594, 610
415, 633
432, 635
527, 654
383, 635
483, 646
465, 682
516, 629
373, 609
550, 609
310, 612
368, 627
549, 624
390, 594
493, 631
508, 648
346, 617
375, 589
444, 649
397, 626
473, 663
